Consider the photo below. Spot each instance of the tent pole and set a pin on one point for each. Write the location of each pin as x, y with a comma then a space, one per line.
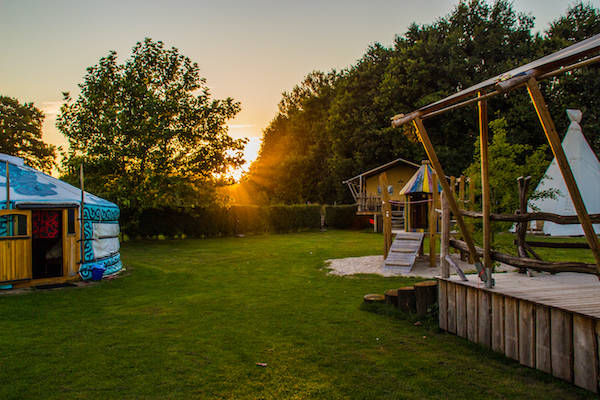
7, 187
81, 225
485, 189
422, 133
563, 164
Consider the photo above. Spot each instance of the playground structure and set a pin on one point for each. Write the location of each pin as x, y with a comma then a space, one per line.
555, 326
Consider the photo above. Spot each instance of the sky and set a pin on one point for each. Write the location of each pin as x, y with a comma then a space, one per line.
249, 50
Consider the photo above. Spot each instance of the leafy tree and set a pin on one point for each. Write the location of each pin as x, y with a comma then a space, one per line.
21, 134
507, 162
328, 130
148, 131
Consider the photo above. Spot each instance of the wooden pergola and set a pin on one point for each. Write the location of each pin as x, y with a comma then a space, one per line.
578, 55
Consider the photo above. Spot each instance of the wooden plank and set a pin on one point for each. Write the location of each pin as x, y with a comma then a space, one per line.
527, 333
472, 321
451, 293
511, 328
461, 311
498, 322
561, 341
443, 304
585, 353
484, 325
435, 162
543, 359
565, 169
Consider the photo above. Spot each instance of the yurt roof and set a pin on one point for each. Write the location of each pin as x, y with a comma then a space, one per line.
30, 187
421, 181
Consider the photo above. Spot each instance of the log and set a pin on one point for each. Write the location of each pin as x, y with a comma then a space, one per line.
556, 245
535, 216
391, 297
406, 299
374, 298
425, 296
531, 263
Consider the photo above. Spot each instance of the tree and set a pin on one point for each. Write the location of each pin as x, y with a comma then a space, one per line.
148, 131
507, 162
21, 134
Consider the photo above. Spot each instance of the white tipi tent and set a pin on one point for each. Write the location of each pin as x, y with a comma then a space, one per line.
586, 169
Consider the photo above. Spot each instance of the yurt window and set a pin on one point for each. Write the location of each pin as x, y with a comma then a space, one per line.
13, 225
71, 221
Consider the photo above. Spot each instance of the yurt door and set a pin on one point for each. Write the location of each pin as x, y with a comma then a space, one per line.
47, 243
15, 245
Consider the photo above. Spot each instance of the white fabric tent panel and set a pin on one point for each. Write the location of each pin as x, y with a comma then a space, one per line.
105, 241
105, 247
104, 230
586, 169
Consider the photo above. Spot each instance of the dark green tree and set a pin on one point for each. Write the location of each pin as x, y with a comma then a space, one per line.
21, 134
147, 130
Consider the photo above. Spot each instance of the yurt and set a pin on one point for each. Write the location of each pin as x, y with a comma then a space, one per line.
41, 226
418, 192
586, 170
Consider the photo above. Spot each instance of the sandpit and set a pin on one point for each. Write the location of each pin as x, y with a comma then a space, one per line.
374, 265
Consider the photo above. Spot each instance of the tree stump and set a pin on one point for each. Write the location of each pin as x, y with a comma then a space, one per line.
391, 297
425, 296
406, 299
374, 298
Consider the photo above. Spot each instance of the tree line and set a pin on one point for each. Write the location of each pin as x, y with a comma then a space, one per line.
335, 125
150, 135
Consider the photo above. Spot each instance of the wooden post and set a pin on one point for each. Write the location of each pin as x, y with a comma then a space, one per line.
386, 212
81, 230
7, 187
471, 208
422, 133
461, 190
521, 227
485, 190
563, 164
433, 221
445, 239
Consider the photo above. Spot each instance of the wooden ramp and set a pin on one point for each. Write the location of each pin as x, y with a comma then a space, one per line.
404, 251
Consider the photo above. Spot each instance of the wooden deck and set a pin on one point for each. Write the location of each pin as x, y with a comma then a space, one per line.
547, 322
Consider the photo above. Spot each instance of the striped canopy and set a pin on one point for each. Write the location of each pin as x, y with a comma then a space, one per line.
421, 181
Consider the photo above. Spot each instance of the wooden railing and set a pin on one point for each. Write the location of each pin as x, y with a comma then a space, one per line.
524, 247
368, 203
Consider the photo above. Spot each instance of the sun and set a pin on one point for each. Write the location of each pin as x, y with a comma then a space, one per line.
250, 154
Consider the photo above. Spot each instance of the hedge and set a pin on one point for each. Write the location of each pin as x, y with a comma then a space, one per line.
220, 221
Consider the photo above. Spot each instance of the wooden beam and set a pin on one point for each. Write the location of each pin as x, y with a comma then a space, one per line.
485, 188
563, 164
536, 216
435, 162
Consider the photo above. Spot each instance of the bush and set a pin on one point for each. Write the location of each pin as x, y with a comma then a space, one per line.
293, 218
340, 217
219, 221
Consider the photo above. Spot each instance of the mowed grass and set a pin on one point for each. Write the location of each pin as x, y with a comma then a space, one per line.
192, 318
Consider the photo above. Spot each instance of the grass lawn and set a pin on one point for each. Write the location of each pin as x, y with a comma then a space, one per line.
192, 318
